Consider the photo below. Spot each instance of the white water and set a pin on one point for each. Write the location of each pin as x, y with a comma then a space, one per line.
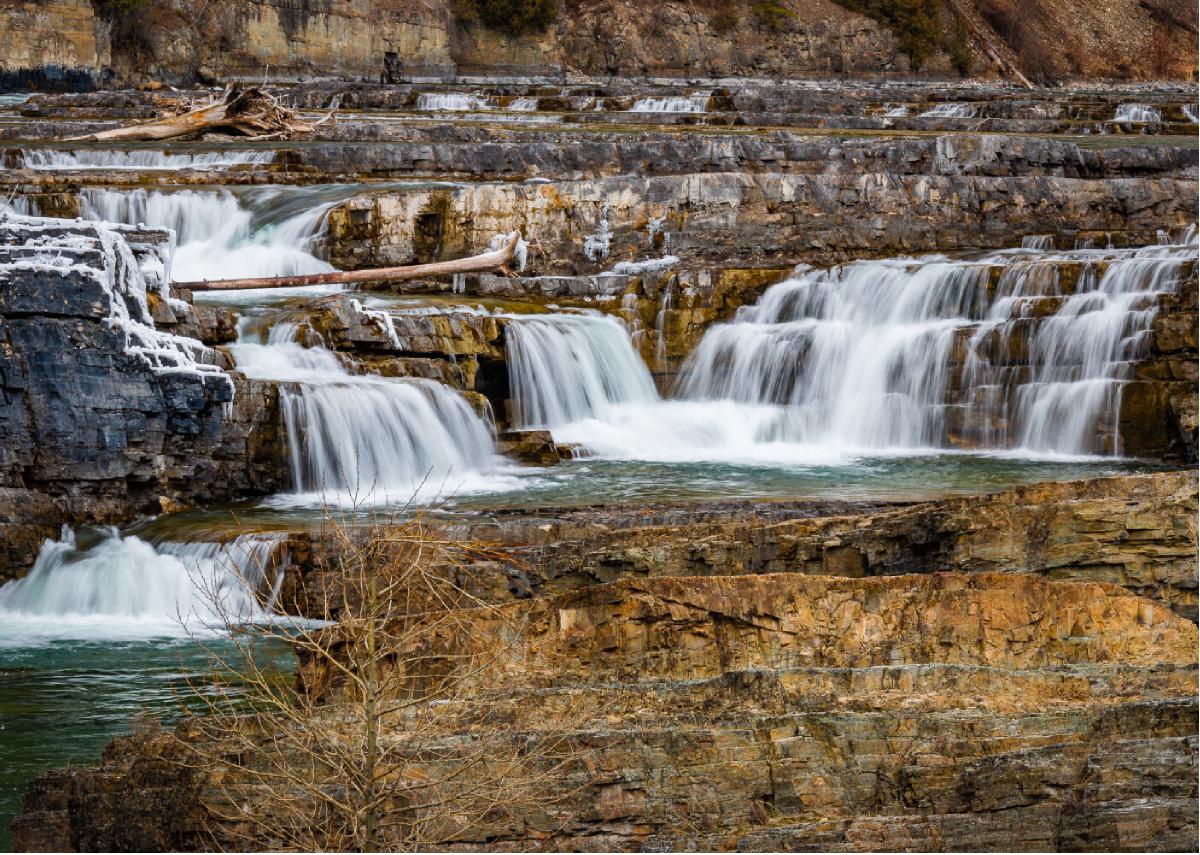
1189, 110
359, 439
1137, 114
697, 102
523, 105
139, 159
123, 588
862, 356
950, 110
452, 102
887, 357
563, 368
216, 233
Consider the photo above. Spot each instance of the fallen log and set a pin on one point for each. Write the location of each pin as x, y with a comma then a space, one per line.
494, 260
251, 112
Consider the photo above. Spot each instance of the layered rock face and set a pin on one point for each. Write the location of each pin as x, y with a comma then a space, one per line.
51, 44
105, 413
934, 712
1135, 531
749, 220
394, 39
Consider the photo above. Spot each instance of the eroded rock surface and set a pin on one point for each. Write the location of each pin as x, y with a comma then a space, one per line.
939, 711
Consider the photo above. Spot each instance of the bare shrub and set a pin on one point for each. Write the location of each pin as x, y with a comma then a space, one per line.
398, 733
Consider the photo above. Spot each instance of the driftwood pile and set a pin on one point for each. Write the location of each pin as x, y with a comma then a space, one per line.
253, 113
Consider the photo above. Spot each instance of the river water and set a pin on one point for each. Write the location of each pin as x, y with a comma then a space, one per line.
855, 383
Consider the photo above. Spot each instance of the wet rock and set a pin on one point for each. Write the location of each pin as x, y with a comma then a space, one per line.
530, 446
88, 418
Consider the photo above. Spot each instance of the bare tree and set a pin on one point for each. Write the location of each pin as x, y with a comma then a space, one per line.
396, 733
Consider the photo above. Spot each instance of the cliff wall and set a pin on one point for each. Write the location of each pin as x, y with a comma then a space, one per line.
66, 43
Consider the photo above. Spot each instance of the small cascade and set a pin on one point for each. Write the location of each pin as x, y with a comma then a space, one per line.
139, 159
1137, 114
633, 321
920, 354
564, 368
697, 102
355, 438
21, 205
660, 330
523, 105
1078, 357
453, 102
1189, 110
219, 235
897, 112
1041, 243
950, 110
126, 587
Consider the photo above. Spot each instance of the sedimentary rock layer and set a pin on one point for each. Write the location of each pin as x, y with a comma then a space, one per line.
955, 711
393, 39
749, 220
94, 429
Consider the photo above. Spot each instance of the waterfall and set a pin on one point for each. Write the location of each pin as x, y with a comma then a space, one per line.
218, 235
452, 102
139, 159
353, 438
1189, 110
125, 587
697, 102
523, 105
1137, 114
1080, 356
21, 205
564, 368
858, 354
951, 110
914, 353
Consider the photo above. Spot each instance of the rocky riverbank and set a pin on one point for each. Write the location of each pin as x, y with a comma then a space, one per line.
797, 703
812, 477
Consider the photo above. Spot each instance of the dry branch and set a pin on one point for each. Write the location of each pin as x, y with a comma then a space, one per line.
250, 112
495, 260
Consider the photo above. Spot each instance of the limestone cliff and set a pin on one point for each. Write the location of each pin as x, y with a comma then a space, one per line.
67, 42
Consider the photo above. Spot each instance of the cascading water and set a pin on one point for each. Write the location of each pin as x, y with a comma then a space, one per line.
697, 102
867, 355
1078, 357
1140, 114
856, 355
367, 438
139, 159
127, 588
453, 102
951, 110
218, 235
564, 368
